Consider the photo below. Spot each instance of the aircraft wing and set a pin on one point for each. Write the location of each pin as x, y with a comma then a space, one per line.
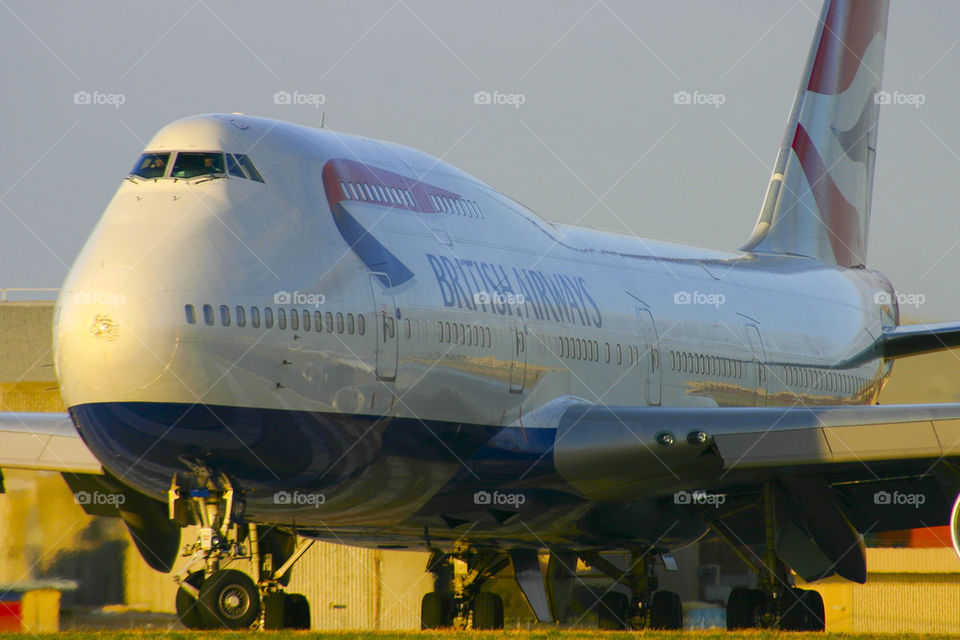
44, 442
833, 473
615, 452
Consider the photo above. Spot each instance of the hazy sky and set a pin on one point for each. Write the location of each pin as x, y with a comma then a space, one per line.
597, 141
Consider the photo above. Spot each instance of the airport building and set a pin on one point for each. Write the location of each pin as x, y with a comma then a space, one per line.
50, 542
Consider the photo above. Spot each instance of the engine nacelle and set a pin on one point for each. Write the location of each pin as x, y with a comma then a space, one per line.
955, 525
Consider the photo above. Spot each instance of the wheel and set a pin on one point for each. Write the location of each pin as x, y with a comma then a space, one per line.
296, 613
744, 607
487, 611
188, 610
433, 611
666, 611
229, 600
802, 610
612, 611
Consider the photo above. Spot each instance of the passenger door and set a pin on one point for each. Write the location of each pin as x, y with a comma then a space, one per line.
518, 361
649, 355
385, 321
756, 371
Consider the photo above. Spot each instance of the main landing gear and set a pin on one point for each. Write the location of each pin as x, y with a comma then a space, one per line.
457, 600
775, 604
212, 596
646, 607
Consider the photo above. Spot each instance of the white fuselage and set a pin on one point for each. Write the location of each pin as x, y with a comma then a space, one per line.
497, 316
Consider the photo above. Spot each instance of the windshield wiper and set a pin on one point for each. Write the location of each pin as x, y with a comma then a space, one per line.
211, 177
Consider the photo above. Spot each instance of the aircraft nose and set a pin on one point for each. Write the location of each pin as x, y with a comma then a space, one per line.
116, 333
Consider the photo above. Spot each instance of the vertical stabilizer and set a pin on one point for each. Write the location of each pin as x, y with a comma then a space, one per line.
818, 200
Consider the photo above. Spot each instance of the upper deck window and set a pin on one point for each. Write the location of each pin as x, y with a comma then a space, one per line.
151, 165
191, 164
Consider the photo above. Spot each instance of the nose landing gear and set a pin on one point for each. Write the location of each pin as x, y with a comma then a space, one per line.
215, 597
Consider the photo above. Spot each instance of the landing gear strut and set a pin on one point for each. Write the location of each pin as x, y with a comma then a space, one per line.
457, 600
214, 597
775, 604
646, 608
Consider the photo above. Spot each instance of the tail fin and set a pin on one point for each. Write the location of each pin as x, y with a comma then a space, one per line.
818, 200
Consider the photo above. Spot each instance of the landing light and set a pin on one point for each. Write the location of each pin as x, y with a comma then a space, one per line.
696, 437
666, 438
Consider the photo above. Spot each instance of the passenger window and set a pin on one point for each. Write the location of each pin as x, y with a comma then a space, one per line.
294, 319
407, 331
439, 332
268, 317
241, 317
329, 318
339, 322
318, 320
281, 318
255, 317
350, 325
247, 164
191, 314
233, 167
151, 165
361, 329
191, 164
391, 327
619, 355
606, 346
208, 315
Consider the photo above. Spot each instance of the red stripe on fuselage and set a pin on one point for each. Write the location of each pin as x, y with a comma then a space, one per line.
342, 170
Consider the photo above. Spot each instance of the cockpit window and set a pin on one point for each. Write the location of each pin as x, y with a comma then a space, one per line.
234, 167
192, 165
151, 165
248, 165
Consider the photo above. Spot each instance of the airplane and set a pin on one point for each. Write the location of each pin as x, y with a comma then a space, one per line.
282, 334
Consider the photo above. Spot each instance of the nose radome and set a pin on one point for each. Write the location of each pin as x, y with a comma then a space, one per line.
116, 334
